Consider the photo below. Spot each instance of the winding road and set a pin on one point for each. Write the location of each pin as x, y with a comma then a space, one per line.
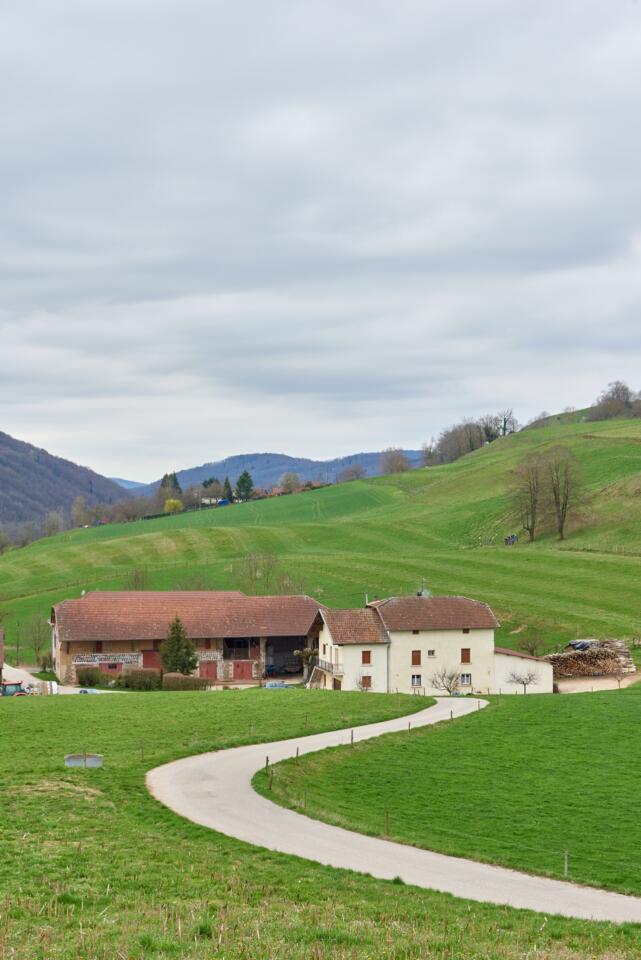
214, 790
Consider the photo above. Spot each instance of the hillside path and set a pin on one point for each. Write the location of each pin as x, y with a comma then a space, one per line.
214, 790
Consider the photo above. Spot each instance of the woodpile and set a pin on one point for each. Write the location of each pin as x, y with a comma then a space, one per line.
602, 658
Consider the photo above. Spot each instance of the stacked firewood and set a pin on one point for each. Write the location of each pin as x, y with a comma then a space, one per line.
599, 660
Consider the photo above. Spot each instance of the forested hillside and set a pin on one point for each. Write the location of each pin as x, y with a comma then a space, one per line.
33, 482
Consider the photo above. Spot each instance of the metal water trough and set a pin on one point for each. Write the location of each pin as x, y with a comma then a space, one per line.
91, 760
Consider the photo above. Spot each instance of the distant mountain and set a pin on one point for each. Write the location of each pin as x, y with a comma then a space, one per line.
127, 484
32, 482
266, 469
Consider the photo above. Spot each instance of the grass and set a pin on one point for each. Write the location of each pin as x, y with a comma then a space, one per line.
516, 784
383, 536
93, 867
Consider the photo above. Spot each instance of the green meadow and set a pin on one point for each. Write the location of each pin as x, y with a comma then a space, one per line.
444, 525
93, 867
516, 784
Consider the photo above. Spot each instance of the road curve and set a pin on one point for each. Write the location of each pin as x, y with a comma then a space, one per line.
214, 790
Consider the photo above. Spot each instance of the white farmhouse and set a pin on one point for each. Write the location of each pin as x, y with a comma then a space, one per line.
403, 643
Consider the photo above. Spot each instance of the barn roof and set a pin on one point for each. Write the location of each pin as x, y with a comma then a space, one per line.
146, 615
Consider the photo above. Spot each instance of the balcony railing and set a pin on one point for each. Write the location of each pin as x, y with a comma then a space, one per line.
334, 668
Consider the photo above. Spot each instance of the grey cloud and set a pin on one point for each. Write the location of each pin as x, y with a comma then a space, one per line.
310, 226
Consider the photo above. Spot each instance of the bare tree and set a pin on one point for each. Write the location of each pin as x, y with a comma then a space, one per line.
429, 453
355, 472
79, 512
532, 644
257, 572
507, 421
563, 484
527, 492
524, 678
136, 579
446, 679
290, 481
394, 460
55, 523
38, 634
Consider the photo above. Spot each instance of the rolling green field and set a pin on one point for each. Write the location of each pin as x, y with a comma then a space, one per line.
92, 867
444, 524
516, 784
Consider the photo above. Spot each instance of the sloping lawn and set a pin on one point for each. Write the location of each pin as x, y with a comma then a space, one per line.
93, 867
516, 784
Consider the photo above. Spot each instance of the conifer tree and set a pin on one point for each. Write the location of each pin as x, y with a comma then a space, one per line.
227, 490
177, 651
244, 486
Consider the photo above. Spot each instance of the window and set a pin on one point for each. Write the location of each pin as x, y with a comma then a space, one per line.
466, 629
466, 655
415, 631
112, 666
417, 680
324, 649
366, 681
366, 656
416, 658
431, 653
466, 679
98, 646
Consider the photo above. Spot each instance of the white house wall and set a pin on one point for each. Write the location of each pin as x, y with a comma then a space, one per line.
506, 665
347, 661
447, 646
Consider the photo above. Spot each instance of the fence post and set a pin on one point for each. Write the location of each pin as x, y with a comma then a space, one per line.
566, 858
387, 824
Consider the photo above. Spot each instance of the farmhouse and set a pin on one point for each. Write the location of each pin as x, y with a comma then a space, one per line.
238, 639
408, 643
402, 643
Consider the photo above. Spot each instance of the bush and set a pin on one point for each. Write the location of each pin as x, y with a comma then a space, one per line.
179, 681
46, 662
145, 678
90, 676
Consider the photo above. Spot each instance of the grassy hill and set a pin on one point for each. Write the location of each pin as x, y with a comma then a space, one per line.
444, 524
94, 867
516, 784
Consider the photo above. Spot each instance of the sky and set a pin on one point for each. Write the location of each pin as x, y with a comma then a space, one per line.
311, 227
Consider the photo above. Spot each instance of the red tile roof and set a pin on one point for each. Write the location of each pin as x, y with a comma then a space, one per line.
146, 615
517, 653
355, 626
434, 613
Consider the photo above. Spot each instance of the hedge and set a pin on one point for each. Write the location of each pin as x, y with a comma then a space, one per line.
90, 676
178, 681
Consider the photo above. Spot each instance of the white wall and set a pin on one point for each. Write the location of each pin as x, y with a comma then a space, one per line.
505, 665
348, 656
447, 646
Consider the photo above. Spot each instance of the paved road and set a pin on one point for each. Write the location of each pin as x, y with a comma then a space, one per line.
214, 789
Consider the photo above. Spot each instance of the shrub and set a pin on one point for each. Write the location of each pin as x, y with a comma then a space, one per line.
179, 681
145, 678
90, 676
46, 662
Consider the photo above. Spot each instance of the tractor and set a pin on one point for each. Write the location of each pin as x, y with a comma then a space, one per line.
13, 690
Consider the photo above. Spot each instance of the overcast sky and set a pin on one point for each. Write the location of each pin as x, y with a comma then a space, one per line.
311, 226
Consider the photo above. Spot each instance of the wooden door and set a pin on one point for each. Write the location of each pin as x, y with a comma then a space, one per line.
243, 670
